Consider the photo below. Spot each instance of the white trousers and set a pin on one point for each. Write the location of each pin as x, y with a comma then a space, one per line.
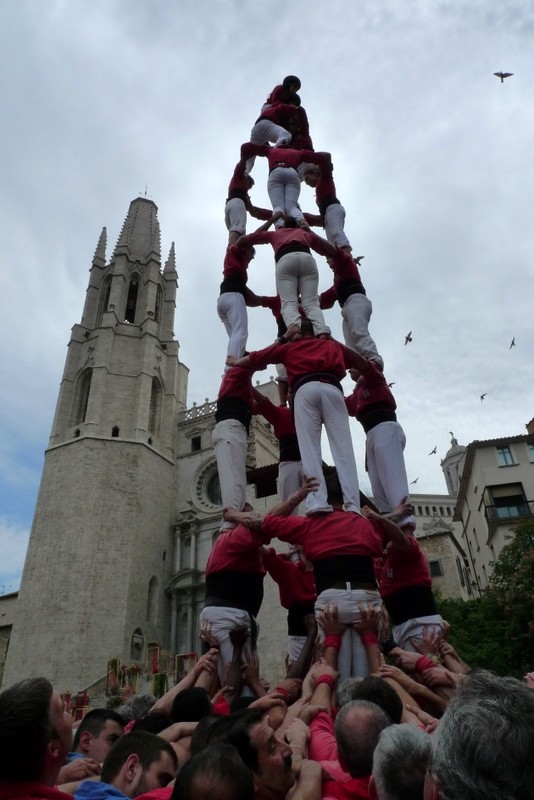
415, 629
318, 404
232, 311
290, 479
352, 657
283, 186
230, 445
235, 215
356, 313
223, 620
334, 224
385, 465
294, 648
297, 274
266, 131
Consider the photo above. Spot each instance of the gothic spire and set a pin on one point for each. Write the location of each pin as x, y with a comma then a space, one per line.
140, 235
99, 258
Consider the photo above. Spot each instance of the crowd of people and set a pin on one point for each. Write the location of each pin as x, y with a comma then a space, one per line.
375, 701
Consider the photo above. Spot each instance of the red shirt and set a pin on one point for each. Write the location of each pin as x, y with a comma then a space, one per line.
304, 357
31, 791
286, 156
280, 417
402, 568
236, 383
236, 263
339, 533
295, 584
238, 549
371, 388
284, 237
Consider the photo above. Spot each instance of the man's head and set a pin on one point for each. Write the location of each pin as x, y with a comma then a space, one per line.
264, 754
292, 83
358, 727
218, 771
484, 743
378, 691
97, 733
35, 732
312, 176
400, 762
139, 762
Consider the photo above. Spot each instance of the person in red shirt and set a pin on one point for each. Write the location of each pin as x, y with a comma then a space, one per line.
341, 546
296, 585
315, 367
283, 183
290, 471
235, 296
405, 586
35, 737
319, 175
233, 415
373, 405
238, 203
297, 274
356, 308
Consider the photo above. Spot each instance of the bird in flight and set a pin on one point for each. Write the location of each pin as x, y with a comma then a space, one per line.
482, 396
391, 385
408, 338
415, 481
435, 450
503, 75
358, 259
512, 344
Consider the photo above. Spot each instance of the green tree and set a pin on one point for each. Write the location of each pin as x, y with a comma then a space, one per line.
496, 631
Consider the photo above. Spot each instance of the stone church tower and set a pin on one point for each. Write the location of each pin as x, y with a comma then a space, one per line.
129, 503
100, 550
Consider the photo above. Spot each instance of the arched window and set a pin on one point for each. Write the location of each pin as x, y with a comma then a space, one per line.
131, 299
159, 304
213, 490
155, 407
104, 299
152, 600
136, 645
82, 396
185, 552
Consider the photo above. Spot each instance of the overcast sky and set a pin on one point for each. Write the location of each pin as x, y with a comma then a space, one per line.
104, 100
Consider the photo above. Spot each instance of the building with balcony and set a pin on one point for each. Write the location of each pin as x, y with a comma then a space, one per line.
496, 493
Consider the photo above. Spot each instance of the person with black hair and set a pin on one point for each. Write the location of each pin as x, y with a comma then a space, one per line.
218, 772
137, 763
96, 734
35, 737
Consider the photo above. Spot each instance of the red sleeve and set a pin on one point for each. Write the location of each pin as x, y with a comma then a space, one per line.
288, 529
328, 298
250, 149
322, 745
274, 354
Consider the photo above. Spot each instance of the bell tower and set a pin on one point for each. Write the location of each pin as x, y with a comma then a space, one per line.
100, 551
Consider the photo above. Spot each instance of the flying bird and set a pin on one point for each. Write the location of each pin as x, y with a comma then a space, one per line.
415, 481
482, 396
435, 450
512, 344
408, 338
358, 259
391, 385
503, 75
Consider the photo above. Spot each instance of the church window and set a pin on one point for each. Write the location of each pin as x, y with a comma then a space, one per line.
152, 600
185, 552
115, 431
136, 645
104, 299
159, 304
131, 299
213, 490
530, 448
155, 407
196, 444
82, 396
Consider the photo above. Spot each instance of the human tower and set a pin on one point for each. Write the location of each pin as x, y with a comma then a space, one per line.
334, 547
